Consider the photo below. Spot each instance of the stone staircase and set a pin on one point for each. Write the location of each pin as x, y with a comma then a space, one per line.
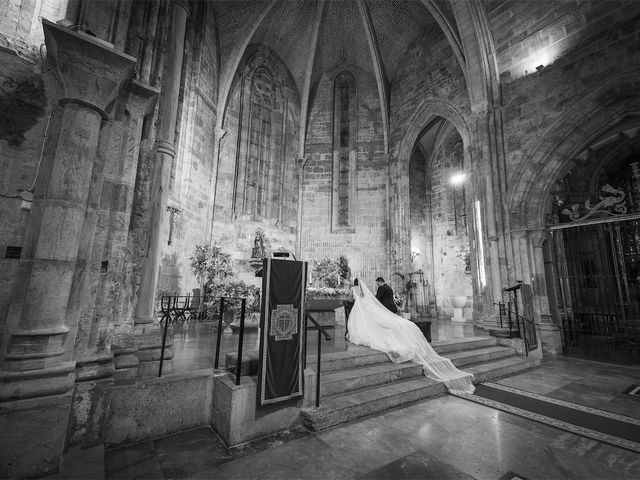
360, 381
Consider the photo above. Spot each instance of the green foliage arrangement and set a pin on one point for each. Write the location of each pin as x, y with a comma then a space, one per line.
210, 264
214, 269
327, 273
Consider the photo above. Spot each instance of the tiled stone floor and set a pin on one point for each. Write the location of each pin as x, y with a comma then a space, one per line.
194, 342
444, 438
589, 383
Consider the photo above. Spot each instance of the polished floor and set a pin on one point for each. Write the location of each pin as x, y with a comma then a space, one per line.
443, 438
592, 384
446, 437
194, 342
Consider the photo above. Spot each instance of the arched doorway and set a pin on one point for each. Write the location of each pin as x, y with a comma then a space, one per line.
594, 246
441, 254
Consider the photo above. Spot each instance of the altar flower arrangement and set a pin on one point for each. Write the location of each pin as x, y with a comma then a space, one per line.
214, 269
326, 292
327, 273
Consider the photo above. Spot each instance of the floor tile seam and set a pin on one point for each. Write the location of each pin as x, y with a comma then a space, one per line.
552, 422
575, 406
570, 360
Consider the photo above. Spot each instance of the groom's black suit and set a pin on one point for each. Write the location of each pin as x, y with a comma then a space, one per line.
384, 294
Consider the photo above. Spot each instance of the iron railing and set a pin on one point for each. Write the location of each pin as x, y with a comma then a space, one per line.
181, 308
243, 308
517, 327
321, 332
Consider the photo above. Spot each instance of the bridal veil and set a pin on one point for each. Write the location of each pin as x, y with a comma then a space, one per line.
372, 325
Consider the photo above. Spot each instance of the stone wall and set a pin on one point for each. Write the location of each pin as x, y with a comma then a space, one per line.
428, 70
583, 47
20, 23
429, 73
365, 245
451, 249
21, 141
192, 183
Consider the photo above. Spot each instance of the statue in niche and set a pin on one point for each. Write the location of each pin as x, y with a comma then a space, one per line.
260, 249
345, 271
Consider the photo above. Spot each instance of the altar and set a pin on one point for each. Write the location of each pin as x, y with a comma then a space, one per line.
323, 307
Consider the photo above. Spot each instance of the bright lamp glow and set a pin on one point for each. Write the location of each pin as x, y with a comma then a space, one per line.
457, 178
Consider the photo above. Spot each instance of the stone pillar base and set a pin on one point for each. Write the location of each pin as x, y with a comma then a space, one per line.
91, 399
33, 435
37, 383
550, 339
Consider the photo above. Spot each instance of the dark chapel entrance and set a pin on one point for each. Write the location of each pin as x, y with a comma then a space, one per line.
598, 280
594, 248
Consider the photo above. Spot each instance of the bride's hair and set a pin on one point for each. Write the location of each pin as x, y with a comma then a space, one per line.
355, 282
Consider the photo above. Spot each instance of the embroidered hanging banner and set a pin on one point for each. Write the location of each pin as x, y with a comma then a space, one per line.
281, 330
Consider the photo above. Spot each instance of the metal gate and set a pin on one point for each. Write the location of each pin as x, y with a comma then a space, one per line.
598, 279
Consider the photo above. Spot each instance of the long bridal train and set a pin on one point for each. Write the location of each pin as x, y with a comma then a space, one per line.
372, 325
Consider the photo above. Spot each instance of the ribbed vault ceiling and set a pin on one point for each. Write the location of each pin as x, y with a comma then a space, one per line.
313, 37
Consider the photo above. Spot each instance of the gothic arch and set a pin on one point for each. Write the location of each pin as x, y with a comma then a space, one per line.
546, 161
429, 109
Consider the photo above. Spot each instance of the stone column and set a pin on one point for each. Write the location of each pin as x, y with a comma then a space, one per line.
302, 163
548, 332
35, 380
94, 362
147, 331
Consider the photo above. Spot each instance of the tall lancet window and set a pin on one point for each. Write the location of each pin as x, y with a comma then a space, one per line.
259, 153
343, 202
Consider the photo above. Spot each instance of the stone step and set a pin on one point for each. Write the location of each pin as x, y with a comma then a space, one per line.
355, 356
488, 371
360, 403
461, 344
471, 357
341, 381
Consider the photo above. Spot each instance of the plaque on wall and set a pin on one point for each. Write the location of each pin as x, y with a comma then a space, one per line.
13, 252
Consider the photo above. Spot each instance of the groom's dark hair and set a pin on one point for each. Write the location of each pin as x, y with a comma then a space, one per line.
380, 279
355, 282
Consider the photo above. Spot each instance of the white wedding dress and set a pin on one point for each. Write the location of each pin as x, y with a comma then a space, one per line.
372, 325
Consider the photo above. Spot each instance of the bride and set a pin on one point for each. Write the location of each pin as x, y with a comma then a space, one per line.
372, 325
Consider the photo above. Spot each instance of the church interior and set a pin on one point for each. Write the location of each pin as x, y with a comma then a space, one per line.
482, 156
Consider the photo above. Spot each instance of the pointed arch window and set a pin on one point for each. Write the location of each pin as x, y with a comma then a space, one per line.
344, 189
259, 153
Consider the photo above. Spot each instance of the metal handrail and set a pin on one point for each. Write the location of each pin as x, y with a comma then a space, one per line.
521, 331
327, 337
243, 307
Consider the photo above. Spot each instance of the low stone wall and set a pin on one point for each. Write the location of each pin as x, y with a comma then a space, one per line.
235, 417
160, 406
155, 407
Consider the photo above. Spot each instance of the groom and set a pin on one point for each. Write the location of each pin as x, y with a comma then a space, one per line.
384, 294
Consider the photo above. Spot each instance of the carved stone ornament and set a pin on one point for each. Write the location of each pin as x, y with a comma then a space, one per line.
284, 322
611, 204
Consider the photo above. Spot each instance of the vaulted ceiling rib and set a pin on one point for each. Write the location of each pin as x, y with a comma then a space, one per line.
229, 64
306, 89
313, 37
378, 68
